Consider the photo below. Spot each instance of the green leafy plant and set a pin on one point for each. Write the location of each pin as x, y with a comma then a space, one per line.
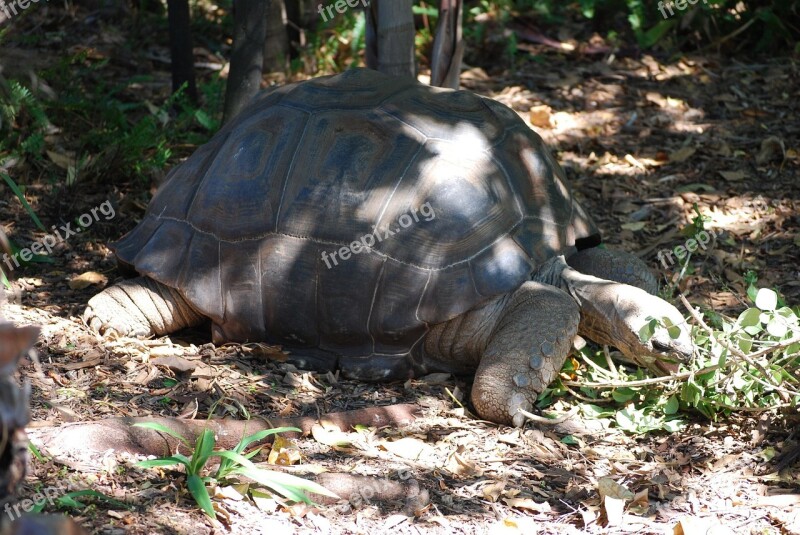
748, 363
23, 121
232, 463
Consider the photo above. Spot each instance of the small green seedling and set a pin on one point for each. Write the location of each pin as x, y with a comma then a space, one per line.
232, 463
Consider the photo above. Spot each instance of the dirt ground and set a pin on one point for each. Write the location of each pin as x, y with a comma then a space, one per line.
642, 140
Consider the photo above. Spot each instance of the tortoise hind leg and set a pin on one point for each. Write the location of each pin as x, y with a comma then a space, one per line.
139, 307
617, 266
526, 350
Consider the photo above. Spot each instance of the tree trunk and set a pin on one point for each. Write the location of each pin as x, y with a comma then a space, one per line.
247, 56
276, 45
180, 45
390, 37
448, 47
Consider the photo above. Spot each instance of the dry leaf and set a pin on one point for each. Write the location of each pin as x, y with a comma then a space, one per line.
230, 492
608, 487
62, 160
540, 116
641, 502
772, 148
527, 503
408, 448
329, 434
733, 176
634, 162
634, 226
284, 452
394, 521
301, 382
174, 363
264, 501
614, 496
492, 491
436, 378
84, 280
459, 466
682, 154
692, 525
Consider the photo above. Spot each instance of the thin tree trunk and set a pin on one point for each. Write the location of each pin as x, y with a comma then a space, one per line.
180, 45
390, 37
276, 45
448, 47
247, 56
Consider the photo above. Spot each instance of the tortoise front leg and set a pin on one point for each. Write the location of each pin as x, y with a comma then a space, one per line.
139, 307
617, 266
526, 350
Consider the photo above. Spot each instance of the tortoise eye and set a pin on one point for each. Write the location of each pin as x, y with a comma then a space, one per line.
661, 347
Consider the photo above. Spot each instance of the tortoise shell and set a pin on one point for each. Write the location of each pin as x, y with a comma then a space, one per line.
245, 227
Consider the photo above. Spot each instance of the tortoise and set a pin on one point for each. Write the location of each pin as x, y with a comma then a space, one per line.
388, 229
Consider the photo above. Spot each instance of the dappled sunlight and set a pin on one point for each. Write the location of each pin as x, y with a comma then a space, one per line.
337, 221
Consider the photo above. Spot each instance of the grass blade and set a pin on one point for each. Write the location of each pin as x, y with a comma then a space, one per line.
200, 494
21, 197
158, 427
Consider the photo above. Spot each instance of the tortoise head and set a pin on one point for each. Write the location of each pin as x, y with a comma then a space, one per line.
649, 332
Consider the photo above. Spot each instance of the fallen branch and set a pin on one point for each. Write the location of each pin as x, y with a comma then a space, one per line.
87, 440
357, 490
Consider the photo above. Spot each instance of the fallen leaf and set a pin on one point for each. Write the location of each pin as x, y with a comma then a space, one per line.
408, 448
330, 434
284, 452
636, 225
459, 466
394, 521
62, 160
264, 500
682, 154
540, 116
230, 492
614, 497
493, 490
84, 280
733, 176
174, 363
692, 525
772, 148
436, 378
641, 502
634, 162
527, 503
300, 381
695, 186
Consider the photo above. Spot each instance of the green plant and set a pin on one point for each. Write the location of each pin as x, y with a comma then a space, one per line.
748, 363
232, 463
23, 121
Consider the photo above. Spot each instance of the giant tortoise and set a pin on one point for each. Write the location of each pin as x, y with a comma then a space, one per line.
388, 229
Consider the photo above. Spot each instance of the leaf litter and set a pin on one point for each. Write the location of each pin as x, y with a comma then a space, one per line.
642, 142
